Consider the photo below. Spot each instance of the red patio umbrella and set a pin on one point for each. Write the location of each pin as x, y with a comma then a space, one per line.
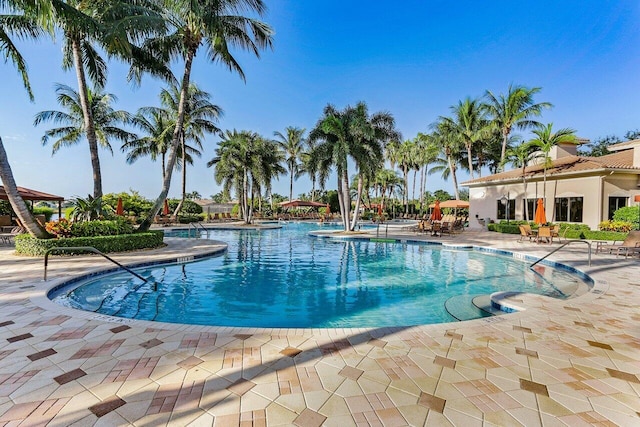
540, 217
436, 215
119, 207
165, 208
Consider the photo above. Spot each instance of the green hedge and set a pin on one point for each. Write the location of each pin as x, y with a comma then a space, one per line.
575, 231
30, 246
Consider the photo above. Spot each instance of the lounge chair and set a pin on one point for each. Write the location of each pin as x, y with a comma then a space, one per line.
630, 245
7, 237
525, 231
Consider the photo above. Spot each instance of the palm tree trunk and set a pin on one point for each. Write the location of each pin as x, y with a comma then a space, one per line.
405, 171
18, 205
291, 185
354, 222
88, 117
505, 138
452, 168
245, 198
313, 188
526, 205
423, 183
184, 177
346, 199
173, 153
470, 161
413, 190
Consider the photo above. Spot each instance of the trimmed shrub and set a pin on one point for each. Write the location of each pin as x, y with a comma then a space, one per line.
46, 211
628, 214
110, 227
622, 226
30, 246
191, 207
186, 219
504, 228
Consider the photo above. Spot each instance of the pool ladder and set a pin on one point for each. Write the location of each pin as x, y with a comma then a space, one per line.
562, 246
196, 227
87, 249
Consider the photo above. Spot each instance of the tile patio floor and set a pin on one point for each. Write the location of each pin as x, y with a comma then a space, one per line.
559, 363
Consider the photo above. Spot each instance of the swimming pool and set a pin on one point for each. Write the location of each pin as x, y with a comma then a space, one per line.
286, 278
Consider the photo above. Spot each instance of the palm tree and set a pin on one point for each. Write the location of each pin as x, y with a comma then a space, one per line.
22, 22
427, 153
519, 157
387, 181
217, 26
451, 147
200, 116
404, 155
111, 26
352, 134
156, 123
545, 140
246, 162
515, 110
470, 124
292, 143
106, 120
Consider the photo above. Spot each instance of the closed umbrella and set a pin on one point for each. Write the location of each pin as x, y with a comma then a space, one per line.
119, 207
436, 215
380, 209
165, 208
540, 217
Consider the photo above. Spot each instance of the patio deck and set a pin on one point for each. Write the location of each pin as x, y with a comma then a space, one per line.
564, 363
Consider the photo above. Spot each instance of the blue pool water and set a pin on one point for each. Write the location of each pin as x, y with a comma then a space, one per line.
286, 278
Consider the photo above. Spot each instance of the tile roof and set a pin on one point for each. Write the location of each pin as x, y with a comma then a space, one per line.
565, 165
623, 145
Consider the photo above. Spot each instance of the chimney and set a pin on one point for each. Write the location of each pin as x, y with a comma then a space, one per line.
636, 156
563, 150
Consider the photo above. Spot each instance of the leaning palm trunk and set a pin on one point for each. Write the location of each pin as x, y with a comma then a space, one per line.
354, 222
405, 197
184, 178
245, 198
505, 138
526, 205
88, 118
173, 153
423, 184
19, 206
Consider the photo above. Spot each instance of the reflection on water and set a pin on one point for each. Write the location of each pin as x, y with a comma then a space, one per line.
285, 278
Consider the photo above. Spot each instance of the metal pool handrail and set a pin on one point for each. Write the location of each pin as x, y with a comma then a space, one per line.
195, 225
562, 246
88, 249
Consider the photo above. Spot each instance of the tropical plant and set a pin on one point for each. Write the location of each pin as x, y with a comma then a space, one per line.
351, 134
404, 154
292, 143
215, 25
157, 127
87, 209
515, 110
427, 153
545, 139
106, 120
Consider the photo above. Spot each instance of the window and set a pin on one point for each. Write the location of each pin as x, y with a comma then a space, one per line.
616, 203
569, 209
531, 206
502, 211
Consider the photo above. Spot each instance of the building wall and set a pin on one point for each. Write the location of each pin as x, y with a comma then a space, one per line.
595, 191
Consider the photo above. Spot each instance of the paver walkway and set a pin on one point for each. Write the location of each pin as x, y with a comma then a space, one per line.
565, 363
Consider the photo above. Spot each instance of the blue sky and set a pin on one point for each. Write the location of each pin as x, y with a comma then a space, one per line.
413, 59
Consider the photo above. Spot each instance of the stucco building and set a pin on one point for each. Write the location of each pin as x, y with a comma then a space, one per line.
579, 189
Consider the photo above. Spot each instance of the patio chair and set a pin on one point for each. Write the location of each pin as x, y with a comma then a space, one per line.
446, 228
7, 237
436, 229
629, 246
544, 233
555, 232
525, 231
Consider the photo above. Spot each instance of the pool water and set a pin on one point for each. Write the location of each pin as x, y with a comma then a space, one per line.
286, 278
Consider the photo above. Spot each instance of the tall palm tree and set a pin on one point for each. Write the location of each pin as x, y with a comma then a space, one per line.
387, 181
519, 157
470, 123
106, 120
404, 155
292, 143
21, 21
451, 147
246, 162
545, 139
515, 110
215, 25
200, 116
112, 26
427, 153
351, 134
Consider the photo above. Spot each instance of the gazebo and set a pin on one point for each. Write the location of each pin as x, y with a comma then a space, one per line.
37, 196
